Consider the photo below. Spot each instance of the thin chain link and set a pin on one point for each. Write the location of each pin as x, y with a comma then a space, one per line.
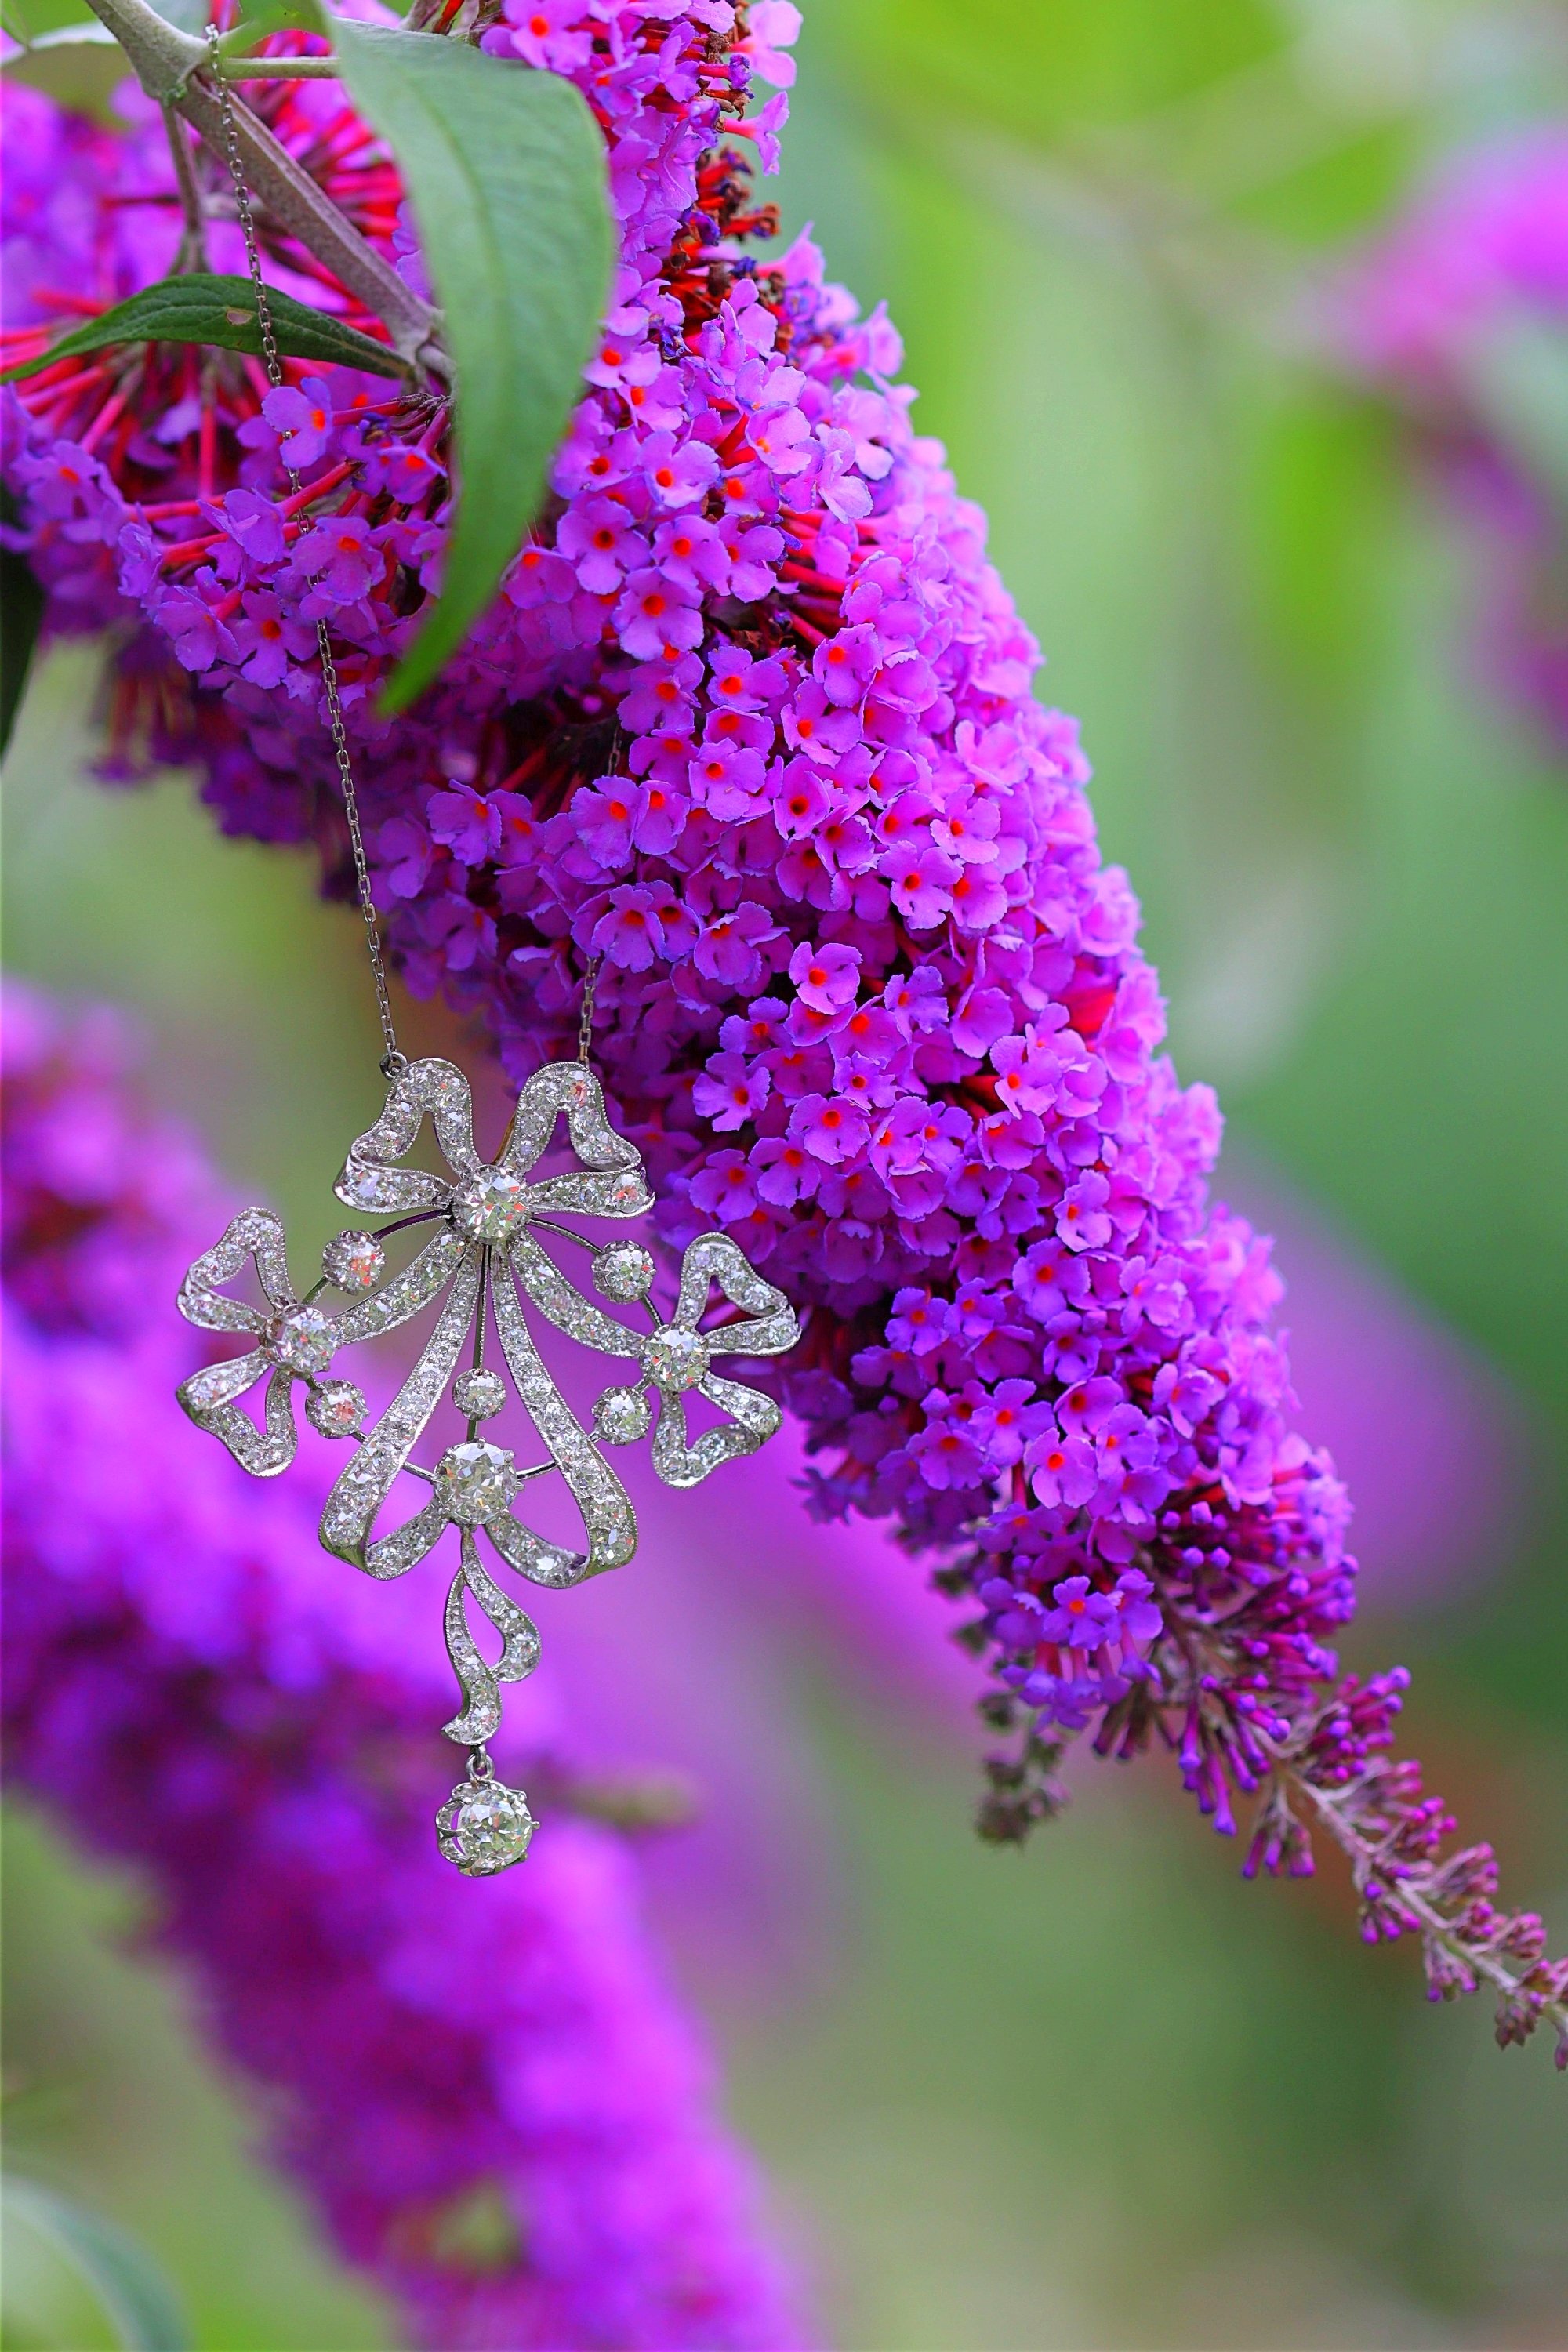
392, 1060
585, 1018
591, 976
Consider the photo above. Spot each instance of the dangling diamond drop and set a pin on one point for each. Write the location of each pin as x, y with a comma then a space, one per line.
484, 1826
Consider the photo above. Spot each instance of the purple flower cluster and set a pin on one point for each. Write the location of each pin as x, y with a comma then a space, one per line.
1448, 313
106, 450
751, 722
78, 234
493, 2100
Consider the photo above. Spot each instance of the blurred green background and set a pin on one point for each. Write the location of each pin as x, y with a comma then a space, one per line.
1097, 2093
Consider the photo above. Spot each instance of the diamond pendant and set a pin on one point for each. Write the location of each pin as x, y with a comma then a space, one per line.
484, 1826
480, 1263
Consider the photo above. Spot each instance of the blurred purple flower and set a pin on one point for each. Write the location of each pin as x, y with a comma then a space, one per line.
1458, 313
486, 2088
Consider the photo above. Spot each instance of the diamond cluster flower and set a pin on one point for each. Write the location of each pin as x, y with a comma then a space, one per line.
187, 1691
751, 721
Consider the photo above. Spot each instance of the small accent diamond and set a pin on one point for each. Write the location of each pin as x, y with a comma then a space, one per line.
478, 1394
353, 1261
300, 1341
621, 1416
336, 1409
676, 1359
491, 1206
623, 1271
475, 1482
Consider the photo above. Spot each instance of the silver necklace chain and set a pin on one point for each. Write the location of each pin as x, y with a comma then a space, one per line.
393, 1060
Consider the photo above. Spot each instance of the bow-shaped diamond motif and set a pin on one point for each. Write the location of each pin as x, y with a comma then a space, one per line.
483, 1258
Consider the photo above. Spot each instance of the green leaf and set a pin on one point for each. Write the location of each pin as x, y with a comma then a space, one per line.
213, 309
139, 2301
29, 20
21, 610
81, 67
259, 18
505, 168
190, 15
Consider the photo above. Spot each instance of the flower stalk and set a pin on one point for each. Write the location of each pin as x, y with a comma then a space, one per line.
193, 252
280, 69
170, 67
1464, 1949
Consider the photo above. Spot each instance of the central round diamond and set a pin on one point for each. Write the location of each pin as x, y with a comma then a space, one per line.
491, 1206
676, 1359
301, 1341
474, 1481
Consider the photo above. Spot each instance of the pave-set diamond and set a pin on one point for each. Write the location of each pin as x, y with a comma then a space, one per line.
478, 1259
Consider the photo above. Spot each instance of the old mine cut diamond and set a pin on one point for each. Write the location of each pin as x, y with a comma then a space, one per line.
474, 1481
478, 1394
353, 1261
300, 1341
486, 1826
621, 1416
623, 1271
491, 1206
336, 1408
676, 1359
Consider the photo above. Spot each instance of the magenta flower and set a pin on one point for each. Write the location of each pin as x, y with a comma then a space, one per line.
301, 419
183, 1690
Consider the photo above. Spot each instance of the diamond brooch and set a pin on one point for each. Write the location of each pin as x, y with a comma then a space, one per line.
480, 1267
